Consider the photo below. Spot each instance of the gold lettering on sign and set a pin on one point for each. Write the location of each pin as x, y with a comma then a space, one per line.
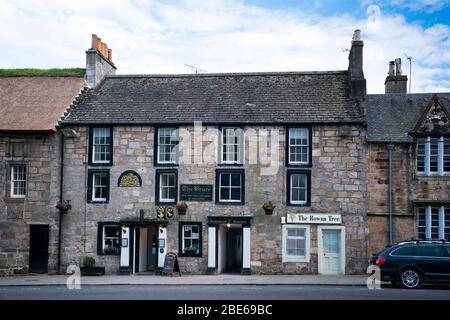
129, 180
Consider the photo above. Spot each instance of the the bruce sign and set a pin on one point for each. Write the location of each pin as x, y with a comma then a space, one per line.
318, 218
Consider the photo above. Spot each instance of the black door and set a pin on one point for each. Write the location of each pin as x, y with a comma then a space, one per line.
234, 250
39, 248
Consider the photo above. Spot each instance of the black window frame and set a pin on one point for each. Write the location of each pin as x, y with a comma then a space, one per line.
156, 162
181, 225
89, 188
287, 145
100, 227
290, 172
158, 173
220, 162
217, 193
91, 147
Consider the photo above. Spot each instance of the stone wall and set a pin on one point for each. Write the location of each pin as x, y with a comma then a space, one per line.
338, 186
41, 156
408, 187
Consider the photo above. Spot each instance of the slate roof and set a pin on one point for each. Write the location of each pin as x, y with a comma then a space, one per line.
390, 117
29, 103
284, 97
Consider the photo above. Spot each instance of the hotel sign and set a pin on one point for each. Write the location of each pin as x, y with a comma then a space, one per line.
315, 218
196, 192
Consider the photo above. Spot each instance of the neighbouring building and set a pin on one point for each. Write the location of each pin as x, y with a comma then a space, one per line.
30, 158
408, 173
224, 145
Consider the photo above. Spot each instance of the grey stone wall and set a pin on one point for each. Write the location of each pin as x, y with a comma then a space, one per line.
97, 67
408, 186
41, 156
338, 186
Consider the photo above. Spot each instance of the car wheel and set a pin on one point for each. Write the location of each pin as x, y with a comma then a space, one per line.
410, 278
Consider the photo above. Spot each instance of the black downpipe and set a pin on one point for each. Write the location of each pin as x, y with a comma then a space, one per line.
61, 180
390, 147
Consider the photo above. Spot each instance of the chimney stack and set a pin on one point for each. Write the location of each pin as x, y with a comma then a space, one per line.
355, 67
98, 62
395, 81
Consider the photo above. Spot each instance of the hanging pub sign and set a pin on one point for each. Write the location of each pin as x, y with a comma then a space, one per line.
165, 212
196, 192
129, 178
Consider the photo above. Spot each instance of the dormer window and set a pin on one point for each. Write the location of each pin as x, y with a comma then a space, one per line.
433, 155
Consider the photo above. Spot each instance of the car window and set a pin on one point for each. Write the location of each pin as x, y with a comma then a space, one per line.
448, 250
428, 251
403, 251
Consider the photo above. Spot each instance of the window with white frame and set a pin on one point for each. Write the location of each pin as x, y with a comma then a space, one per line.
433, 222
167, 187
232, 146
111, 235
296, 243
167, 142
190, 239
299, 188
230, 186
433, 155
101, 145
298, 146
100, 186
18, 181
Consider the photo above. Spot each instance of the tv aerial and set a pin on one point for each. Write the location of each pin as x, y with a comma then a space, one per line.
197, 70
409, 58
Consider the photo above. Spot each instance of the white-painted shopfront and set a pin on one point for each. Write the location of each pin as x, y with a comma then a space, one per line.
330, 240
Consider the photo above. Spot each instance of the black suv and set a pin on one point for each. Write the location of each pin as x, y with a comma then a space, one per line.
412, 262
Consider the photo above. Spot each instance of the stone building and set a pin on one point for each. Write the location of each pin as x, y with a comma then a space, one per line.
271, 167
408, 173
30, 159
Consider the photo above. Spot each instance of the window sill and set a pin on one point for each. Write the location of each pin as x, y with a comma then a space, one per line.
299, 165
433, 176
159, 203
298, 205
14, 200
108, 254
98, 201
224, 203
187, 255
295, 260
158, 164
100, 164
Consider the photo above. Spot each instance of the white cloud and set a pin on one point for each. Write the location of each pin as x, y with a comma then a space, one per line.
219, 36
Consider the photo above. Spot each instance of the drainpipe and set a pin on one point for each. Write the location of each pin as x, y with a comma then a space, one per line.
390, 147
61, 175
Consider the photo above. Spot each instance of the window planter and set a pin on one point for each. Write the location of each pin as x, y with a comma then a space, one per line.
92, 271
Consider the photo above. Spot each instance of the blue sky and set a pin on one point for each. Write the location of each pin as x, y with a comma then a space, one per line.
162, 36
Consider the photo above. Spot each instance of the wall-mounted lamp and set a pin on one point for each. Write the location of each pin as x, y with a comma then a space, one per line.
228, 225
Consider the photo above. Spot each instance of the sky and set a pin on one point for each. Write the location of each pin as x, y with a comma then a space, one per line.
154, 37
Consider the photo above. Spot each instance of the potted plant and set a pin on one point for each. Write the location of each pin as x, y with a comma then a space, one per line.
89, 268
268, 207
64, 206
181, 207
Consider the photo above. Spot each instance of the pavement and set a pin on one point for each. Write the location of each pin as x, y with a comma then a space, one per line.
221, 279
